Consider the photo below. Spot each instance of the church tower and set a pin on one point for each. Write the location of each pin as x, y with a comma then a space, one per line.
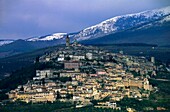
67, 41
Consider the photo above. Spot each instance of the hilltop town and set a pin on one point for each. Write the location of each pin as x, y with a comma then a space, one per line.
86, 74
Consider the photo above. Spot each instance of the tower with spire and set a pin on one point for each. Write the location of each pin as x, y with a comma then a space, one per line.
67, 41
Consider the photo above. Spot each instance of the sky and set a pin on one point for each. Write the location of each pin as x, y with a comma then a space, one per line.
21, 19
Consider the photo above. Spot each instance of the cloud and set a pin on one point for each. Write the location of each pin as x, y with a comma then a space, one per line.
27, 18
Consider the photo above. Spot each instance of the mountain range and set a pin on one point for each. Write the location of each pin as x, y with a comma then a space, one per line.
6, 41
150, 27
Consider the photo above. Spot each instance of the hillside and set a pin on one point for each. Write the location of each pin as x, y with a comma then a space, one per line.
157, 34
22, 46
22, 60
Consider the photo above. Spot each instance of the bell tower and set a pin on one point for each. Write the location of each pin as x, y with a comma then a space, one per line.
67, 41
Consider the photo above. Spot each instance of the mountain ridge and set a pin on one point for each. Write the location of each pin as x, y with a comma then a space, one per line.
152, 15
136, 28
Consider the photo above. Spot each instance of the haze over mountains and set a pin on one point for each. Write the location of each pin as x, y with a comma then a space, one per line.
150, 27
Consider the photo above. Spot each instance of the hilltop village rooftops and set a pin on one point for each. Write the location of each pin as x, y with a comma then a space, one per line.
86, 73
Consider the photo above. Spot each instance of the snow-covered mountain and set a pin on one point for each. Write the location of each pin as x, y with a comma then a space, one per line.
113, 25
151, 27
110, 26
48, 37
4, 42
124, 22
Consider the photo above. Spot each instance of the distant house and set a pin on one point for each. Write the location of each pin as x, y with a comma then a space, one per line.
35, 97
89, 56
60, 59
40, 74
72, 65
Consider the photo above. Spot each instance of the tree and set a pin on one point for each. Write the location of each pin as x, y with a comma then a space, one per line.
22, 88
37, 59
67, 58
58, 95
43, 81
69, 96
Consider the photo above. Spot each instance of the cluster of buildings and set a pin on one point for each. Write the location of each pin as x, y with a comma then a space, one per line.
87, 74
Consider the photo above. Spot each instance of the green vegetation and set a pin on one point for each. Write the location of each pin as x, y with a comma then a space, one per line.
90, 109
37, 107
102, 100
20, 77
135, 73
160, 53
51, 107
136, 104
144, 104
163, 75
163, 86
21, 46
16, 62
62, 79
162, 96
65, 79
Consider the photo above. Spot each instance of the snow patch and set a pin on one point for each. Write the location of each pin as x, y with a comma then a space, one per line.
49, 37
4, 42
